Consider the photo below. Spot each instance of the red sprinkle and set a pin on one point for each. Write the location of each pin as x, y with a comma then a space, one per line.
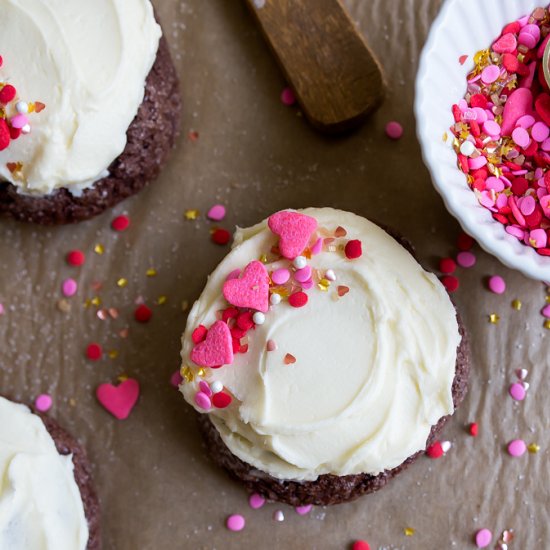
199, 334
298, 299
7, 94
15, 133
221, 400
447, 265
464, 242
229, 313
473, 429
244, 320
120, 223
220, 236
360, 545
143, 314
435, 451
94, 352
4, 135
76, 258
354, 249
450, 282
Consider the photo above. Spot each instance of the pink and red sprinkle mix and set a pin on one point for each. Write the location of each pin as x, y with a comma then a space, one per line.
120, 223
43, 403
394, 130
502, 131
483, 538
235, 522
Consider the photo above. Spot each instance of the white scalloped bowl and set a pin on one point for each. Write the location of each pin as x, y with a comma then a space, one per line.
464, 27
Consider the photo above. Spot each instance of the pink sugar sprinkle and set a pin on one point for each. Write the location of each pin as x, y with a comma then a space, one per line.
466, 259
497, 284
43, 403
256, 501
517, 391
527, 205
546, 311
490, 74
2, 310
394, 130
287, 97
517, 448
235, 522
176, 379
69, 287
216, 213
303, 510
483, 538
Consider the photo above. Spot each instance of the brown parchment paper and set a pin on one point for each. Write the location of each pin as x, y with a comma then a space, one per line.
157, 487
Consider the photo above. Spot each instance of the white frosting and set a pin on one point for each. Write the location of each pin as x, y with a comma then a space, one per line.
373, 371
87, 61
40, 503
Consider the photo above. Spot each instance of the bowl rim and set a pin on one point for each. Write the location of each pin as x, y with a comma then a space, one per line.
510, 251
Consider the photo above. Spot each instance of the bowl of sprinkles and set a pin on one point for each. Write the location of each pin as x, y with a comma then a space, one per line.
483, 119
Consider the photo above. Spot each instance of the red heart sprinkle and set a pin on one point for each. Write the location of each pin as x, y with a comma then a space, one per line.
199, 334
289, 359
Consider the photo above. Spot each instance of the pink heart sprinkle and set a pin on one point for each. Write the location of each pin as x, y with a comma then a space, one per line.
251, 290
216, 349
294, 230
119, 400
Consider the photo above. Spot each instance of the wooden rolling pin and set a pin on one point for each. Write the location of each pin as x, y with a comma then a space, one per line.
328, 64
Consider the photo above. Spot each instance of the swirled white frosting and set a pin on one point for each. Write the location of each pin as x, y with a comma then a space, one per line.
374, 368
87, 61
40, 503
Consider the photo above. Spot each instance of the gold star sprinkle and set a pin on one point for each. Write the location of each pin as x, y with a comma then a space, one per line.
187, 374
323, 285
263, 258
72, 402
191, 214
151, 272
96, 301
494, 318
201, 372
445, 137
516, 304
122, 378
547, 299
161, 300
409, 531
533, 448
113, 354
547, 324
99, 249
122, 282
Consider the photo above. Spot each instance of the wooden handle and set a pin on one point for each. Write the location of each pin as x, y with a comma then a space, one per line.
334, 75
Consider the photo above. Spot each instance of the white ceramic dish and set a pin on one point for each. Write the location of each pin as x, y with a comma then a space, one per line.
464, 27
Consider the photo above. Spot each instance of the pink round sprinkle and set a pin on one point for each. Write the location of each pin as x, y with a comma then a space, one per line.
256, 501
271, 345
546, 311
533, 30
492, 128
69, 287
43, 403
303, 510
205, 388
176, 379
216, 213
466, 259
526, 121
527, 205
304, 274
538, 238
540, 132
490, 74
517, 447
235, 522
521, 137
477, 163
306, 285
280, 276
483, 538
394, 130
203, 401
18, 121
2, 311
287, 97
517, 391
527, 39
497, 284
